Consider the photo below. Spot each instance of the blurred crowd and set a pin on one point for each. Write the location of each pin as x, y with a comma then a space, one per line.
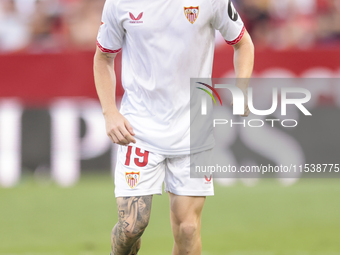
285, 24
39, 26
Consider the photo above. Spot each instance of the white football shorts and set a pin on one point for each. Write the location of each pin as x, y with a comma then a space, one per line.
140, 173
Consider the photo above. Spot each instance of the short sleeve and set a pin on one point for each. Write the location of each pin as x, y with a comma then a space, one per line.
227, 20
111, 33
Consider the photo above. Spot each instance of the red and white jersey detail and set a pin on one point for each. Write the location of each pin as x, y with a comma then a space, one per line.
164, 45
107, 50
238, 39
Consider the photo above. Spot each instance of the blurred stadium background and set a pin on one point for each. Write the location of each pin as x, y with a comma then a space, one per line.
56, 163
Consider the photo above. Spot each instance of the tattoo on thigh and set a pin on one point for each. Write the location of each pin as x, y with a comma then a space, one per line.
121, 214
134, 214
125, 225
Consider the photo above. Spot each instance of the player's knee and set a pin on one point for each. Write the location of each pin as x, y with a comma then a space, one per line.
187, 230
137, 231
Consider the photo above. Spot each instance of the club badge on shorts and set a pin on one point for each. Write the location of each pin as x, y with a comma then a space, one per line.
132, 178
191, 13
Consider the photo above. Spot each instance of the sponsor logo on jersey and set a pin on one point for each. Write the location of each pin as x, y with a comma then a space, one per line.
134, 19
191, 13
208, 180
132, 178
233, 15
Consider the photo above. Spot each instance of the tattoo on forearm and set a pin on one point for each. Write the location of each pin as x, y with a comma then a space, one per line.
134, 214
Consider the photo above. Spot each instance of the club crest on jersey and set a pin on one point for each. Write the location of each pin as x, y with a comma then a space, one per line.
134, 19
191, 13
132, 178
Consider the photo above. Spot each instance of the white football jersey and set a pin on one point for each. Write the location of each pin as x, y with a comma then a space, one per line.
164, 44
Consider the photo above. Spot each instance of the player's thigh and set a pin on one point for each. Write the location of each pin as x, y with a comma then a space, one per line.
134, 213
186, 209
138, 172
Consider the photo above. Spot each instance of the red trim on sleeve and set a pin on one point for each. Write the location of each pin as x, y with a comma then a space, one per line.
107, 50
238, 39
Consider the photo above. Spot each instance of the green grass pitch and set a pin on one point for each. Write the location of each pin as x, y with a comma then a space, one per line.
267, 219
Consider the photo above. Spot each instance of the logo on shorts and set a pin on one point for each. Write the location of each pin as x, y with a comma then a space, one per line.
191, 13
134, 19
208, 180
132, 178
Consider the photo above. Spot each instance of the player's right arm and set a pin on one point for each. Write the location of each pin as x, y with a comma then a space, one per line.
118, 128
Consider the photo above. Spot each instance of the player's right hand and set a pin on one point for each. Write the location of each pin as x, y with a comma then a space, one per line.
119, 129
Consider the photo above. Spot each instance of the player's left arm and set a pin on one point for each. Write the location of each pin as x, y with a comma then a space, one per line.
243, 65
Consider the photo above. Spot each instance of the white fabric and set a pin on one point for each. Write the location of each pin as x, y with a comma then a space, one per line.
174, 171
162, 50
